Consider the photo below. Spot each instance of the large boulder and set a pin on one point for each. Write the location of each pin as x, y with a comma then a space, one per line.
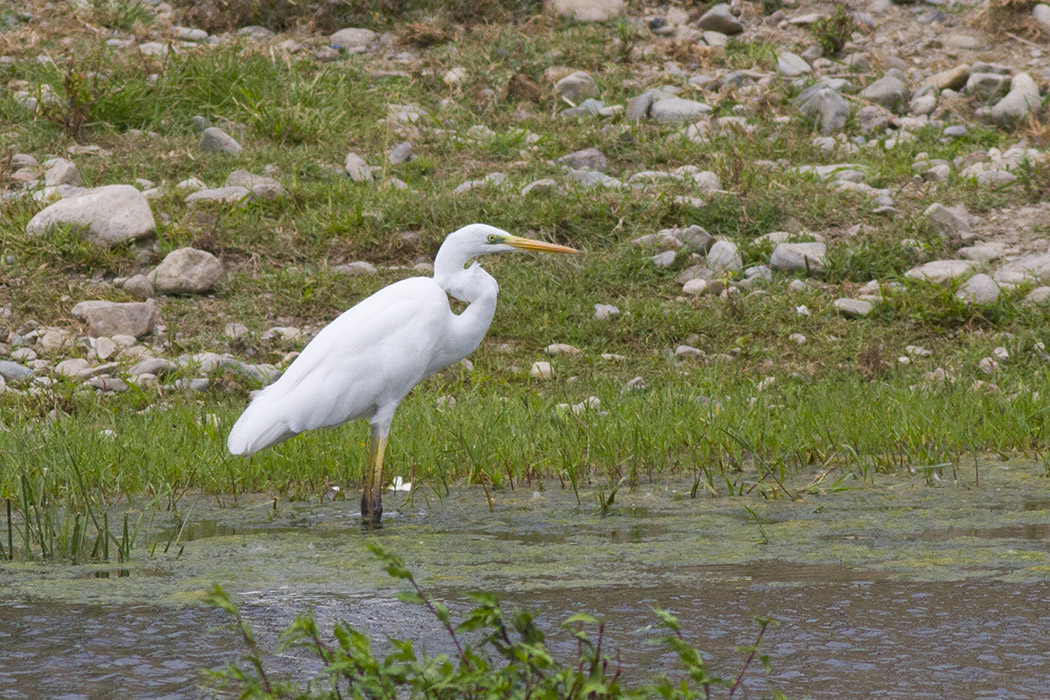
186, 271
105, 216
110, 318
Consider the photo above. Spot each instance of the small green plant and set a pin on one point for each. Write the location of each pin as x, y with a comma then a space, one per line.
120, 14
833, 32
80, 91
509, 659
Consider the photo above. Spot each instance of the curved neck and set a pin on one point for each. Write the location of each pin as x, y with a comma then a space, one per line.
448, 264
466, 330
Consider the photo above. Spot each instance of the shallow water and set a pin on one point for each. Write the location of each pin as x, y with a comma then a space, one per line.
898, 590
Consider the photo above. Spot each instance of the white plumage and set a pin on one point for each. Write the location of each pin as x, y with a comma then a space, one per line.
363, 363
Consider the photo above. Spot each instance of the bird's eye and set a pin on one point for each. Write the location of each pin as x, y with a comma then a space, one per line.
493, 238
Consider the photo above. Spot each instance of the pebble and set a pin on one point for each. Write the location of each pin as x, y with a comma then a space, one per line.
695, 287
940, 271
105, 216
215, 140
576, 87
561, 349
953, 222
541, 370
357, 168
186, 271
259, 185
108, 318
799, 256
792, 65
724, 255
979, 289
604, 312
221, 195
665, 259
720, 19
587, 10
677, 109
852, 308
353, 39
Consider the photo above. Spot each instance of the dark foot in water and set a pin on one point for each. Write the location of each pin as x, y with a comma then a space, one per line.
371, 511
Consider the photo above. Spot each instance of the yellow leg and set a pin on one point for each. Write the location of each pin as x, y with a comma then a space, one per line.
372, 498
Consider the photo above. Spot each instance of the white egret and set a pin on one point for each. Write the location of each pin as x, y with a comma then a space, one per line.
363, 363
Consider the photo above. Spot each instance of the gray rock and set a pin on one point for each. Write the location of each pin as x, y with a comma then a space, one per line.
353, 39
724, 255
154, 48
887, 91
62, 172
222, 195
1029, 268
139, 286
357, 168
215, 140
107, 383
258, 185
190, 33
982, 253
792, 65
799, 256
852, 308
695, 287
587, 159
1041, 14
713, 38
922, 104
952, 79
948, 222
826, 107
995, 177
638, 107
1037, 296
873, 118
664, 259
356, 268
401, 153
14, 372
544, 185
720, 19
677, 109
576, 87
955, 131
587, 10
72, 367
108, 318
696, 238
156, 366
603, 312
968, 42
979, 289
105, 216
987, 85
940, 271
186, 271
1022, 100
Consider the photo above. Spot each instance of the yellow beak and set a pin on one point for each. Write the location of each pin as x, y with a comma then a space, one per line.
529, 244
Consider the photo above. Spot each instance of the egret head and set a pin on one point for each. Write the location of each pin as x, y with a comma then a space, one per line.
481, 239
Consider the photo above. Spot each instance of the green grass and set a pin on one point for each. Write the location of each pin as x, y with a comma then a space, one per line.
842, 400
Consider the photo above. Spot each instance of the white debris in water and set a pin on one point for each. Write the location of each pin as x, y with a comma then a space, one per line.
400, 485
